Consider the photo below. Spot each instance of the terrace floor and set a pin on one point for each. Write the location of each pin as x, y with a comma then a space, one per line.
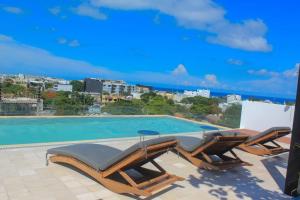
25, 176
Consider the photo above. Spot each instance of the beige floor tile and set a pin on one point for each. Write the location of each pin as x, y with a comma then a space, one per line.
86, 196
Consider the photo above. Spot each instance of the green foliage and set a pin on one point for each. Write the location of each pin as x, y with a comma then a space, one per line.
13, 89
146, 97
202, 106
159, 105
49, 85
123, 107
150, 103
232, 116
77, 86
290, 103
67, 103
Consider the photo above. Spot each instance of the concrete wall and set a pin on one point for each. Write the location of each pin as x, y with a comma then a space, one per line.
261, 116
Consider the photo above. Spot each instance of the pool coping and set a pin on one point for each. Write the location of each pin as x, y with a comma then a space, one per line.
14, 146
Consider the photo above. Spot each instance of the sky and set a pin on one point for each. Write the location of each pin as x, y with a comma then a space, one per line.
244, 46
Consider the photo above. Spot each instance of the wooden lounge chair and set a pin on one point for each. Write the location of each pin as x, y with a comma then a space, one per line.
208, 153
121, 171
258, 144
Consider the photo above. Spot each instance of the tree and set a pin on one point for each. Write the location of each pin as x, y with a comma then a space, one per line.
67, 103
147, 96
78, 86
202, 106
124, 107
13, 89
232, 116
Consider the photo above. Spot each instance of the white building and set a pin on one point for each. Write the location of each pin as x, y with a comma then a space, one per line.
63, 88
202, 93
233, 98
178, 97
117, 87
136, 95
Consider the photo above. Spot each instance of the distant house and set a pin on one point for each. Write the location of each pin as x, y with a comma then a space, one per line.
92, 85
115, 87
63, 88
202, 93
233, 98
143, 88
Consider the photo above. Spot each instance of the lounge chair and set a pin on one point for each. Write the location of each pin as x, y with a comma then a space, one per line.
208, 152
121, 171
258, 144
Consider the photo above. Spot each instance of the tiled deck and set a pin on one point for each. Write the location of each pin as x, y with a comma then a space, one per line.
25, 176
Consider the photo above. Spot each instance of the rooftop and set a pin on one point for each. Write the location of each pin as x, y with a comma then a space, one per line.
24, 175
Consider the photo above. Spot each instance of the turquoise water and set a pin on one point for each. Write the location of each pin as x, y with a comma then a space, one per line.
41, 130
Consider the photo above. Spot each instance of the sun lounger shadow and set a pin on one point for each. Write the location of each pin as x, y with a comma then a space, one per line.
239, 181
272, 164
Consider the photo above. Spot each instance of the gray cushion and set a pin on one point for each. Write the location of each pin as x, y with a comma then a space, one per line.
190, 144
268, 131
101, 157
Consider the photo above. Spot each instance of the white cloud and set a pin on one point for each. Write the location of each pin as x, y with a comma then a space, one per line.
248, 35
276, 86
289, 73
278, 83
180, 70
233, 61
211, 79
55, 10
11, 9
156, 19
62, 40
263, 72
292, 73
16, 57
185, 38
5, 38
89, 11
203, 15
71, 43
74, 43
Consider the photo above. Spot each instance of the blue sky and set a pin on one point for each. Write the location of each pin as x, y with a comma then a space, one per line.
250, 46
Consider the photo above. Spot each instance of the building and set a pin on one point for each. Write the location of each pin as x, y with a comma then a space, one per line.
202, 93
136, 95
117, 87
92, 85
143, 88
20, 106
63, 87
178, 97
233, 98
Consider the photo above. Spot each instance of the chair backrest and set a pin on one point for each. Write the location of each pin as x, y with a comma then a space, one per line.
221, 144
269, 135
142, 152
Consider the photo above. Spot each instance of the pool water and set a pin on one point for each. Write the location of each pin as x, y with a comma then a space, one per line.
43, 130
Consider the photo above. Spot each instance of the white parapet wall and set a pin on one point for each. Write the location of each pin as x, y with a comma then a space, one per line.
260, 116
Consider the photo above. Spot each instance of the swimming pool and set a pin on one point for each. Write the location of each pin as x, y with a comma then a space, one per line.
43, 130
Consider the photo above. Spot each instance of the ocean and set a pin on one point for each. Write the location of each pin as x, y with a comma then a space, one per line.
278, 100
